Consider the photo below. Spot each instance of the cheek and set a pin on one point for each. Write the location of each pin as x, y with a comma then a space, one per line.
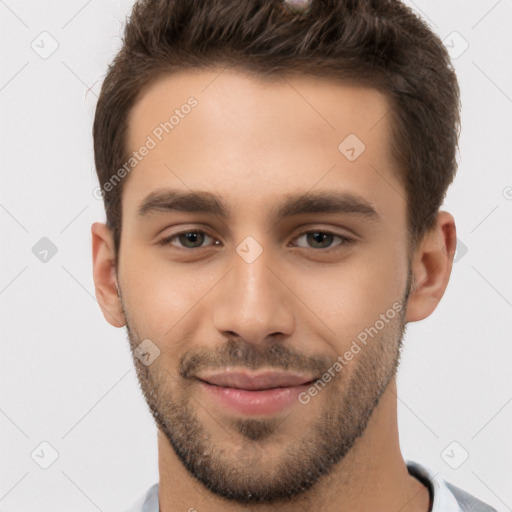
350, 296
157, 294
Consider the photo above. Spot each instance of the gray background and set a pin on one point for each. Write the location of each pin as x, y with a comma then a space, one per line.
67, 377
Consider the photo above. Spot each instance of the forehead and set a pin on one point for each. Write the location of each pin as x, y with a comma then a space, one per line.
253, 140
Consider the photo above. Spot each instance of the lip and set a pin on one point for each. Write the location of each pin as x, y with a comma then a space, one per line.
265, 393
255, 381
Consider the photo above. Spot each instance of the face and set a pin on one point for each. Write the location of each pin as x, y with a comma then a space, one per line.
258, 238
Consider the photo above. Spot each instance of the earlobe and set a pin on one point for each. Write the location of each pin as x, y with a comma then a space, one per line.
431, 268
104, 274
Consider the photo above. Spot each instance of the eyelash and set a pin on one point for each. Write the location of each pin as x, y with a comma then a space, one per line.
344, 240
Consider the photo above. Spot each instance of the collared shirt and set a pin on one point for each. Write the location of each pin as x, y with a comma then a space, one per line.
446, 497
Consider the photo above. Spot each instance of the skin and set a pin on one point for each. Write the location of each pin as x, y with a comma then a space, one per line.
298, 303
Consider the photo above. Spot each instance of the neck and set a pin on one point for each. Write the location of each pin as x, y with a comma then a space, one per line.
373, 476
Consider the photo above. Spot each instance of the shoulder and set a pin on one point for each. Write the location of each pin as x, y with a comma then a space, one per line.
147, 502
446, 497
468, 502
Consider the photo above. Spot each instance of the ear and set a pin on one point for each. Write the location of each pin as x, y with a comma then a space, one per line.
105, 274
431, 267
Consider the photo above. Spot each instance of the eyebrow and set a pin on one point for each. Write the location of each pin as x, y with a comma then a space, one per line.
169, 200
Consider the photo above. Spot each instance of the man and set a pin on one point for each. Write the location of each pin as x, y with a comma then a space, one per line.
272, 175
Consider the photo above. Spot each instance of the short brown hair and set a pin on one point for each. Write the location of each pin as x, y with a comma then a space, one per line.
381, 43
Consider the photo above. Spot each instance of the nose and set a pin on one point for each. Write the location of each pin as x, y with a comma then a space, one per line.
252, 301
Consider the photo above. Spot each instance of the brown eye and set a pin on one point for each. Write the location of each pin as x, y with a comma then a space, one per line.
187, 239
322, 240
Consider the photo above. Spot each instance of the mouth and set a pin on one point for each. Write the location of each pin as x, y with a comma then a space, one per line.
256, 381
263, 393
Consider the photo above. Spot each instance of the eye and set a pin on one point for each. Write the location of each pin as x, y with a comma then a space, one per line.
322, 239
187, 239
194, 239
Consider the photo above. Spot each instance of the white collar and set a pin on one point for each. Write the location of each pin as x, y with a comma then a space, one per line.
443, 499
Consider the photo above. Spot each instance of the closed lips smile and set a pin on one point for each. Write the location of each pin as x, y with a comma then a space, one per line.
263, 393
266, 380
